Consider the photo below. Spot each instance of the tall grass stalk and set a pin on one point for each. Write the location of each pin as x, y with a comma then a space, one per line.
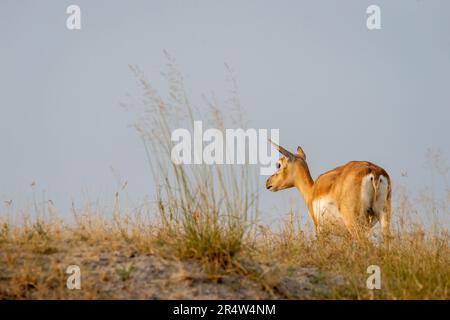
206, 211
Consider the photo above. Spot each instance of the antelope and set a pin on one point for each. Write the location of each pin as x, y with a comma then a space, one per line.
349, 199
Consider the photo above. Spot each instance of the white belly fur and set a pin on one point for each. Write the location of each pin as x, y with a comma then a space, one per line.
327, 213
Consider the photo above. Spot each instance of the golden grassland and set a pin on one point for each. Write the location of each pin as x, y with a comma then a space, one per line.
131, 257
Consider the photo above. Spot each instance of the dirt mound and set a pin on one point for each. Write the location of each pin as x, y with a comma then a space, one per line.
124, 273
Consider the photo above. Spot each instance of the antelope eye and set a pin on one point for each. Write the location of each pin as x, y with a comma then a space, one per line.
278, 165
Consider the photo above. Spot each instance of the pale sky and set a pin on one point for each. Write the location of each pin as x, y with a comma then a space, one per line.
310, 68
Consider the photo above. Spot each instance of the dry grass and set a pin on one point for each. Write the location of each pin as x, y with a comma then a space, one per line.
205, 240
206, 211
132, 257
414, 267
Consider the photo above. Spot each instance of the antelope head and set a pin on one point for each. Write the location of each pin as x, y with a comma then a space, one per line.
289, 168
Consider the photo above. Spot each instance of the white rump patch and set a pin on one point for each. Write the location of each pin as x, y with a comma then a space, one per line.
374, 194
380, 199
367, 191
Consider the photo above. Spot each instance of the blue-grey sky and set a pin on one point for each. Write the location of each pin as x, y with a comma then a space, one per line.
310, 68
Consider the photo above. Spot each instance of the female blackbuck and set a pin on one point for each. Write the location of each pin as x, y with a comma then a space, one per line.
350, 198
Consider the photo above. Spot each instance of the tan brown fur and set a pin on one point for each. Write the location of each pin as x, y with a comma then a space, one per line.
343, 185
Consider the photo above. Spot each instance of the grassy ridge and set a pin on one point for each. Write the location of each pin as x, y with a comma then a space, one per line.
34, 255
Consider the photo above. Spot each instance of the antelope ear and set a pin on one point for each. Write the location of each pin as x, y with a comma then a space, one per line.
301, 153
